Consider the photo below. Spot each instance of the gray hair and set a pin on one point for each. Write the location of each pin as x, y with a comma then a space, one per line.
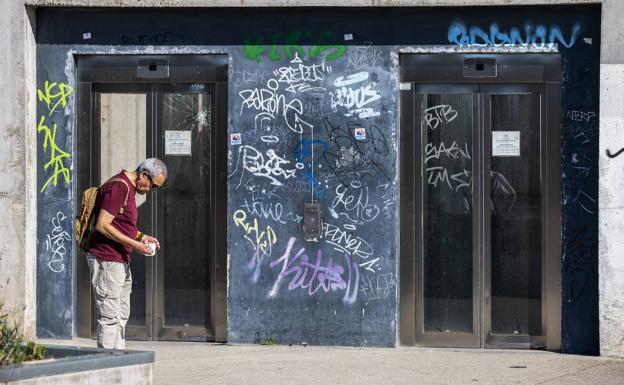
153, 166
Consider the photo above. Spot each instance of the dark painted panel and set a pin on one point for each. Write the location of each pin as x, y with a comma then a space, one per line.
55, 260
579, 214
306, 26
321, 130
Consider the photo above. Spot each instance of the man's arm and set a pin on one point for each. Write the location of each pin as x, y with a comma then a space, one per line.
104, 225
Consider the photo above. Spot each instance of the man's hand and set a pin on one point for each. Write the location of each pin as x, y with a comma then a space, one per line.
141, 247
149, 239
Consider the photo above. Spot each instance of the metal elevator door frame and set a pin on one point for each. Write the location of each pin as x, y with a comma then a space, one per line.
455, 73
142, 74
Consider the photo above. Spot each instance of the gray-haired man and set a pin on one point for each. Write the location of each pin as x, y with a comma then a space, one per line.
111, 243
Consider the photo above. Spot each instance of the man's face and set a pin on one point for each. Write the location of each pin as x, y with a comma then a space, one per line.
146, 184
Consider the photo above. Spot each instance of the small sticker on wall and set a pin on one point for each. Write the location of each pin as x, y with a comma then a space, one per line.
235, 139
359, 133
348, 36
178, 142
405, 86
86, 36
505, 143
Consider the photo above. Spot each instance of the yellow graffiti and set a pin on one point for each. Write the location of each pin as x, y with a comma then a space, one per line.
260, 240
59, 96
57, 155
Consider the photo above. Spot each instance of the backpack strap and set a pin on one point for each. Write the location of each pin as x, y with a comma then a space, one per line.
111, 180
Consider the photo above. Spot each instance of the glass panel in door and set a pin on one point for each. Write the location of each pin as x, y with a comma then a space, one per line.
515, 214
123, 133
446, 312
184, 261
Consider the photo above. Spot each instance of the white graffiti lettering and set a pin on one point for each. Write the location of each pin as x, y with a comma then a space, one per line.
350, 98
245, 76
346, 242
272, 103
342, 81
55, 243
352, 202
440, 114
379, 287
271, 168
580, 116
437, 174
364, 56
453, 151
299, 76
266, 210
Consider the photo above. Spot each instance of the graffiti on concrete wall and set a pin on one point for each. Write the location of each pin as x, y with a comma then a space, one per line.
55, 243
53, 95
580, 197
579, 132
615, 154
291, 44
535, 35
315, 121
316, 124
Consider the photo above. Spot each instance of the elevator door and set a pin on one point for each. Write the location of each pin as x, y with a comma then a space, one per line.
175, 294
481, 260
171, 291
448, 303
480, 183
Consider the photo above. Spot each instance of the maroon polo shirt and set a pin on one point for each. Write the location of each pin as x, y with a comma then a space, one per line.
110, 197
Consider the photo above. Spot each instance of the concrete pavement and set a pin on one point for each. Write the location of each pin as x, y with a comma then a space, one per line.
179, 363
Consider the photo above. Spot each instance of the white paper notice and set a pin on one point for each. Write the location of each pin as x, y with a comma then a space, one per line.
177, 142
505, 143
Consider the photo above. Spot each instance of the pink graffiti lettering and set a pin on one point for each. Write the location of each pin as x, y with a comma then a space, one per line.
314, 274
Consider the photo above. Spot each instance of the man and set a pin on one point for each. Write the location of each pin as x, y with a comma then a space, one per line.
114, 237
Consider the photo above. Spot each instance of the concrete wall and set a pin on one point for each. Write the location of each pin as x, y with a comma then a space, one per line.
17, 170
124, 375
611, 184
305, 3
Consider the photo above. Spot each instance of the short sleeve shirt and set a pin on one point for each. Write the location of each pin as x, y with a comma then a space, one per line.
110, 197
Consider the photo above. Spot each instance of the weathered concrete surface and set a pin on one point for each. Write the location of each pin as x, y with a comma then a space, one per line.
295, 3
201, 363
612, 33
611, 242
123, 375
611, 182
17, 170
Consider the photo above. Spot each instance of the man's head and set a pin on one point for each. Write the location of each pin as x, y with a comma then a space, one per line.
151, 174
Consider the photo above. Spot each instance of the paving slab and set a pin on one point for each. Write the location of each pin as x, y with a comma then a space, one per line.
179, 363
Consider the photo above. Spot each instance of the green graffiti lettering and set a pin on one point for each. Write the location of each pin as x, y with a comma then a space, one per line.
317, 50
292, 44
49, 96
253, 50
57, 156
